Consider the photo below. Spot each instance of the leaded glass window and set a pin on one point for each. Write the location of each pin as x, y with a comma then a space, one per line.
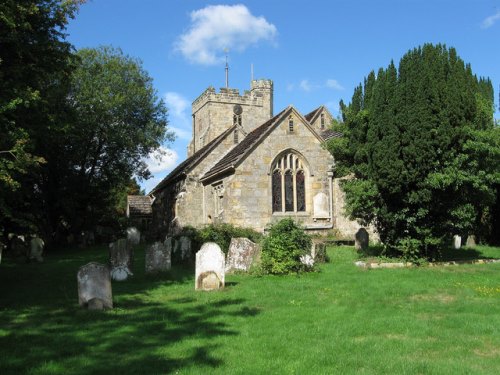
288, 184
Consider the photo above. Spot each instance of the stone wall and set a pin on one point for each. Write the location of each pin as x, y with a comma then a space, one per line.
247, 197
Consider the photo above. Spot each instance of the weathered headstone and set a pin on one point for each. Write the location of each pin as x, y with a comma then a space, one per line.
471, 241
94, 286
361, 239
241, 255
318, 251
457, 242
18, 245
120, 259
183, 247
36, 249
210, 265
133, 236
158, 257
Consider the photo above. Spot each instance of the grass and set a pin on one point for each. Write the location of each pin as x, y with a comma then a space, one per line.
342, 320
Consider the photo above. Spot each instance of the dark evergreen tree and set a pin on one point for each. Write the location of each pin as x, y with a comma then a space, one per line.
421, 151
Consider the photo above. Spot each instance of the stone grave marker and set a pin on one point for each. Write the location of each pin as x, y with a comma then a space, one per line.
318, 251
471, 241
183, 247
133, 236
241, 255
361, 239
158, 257
94, 286
36, 249
120, 259
210, 265
457, 242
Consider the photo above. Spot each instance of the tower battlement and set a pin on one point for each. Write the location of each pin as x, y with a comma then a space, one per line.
214, 112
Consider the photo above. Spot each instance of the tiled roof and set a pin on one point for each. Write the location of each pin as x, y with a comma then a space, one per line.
139, 206
190, 162
329, 134
239, 152
311, 115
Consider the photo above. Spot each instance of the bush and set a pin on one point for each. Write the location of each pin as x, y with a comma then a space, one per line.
221, 234
283, 247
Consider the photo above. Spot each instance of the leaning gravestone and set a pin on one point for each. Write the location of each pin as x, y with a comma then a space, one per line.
210, 264
318, 251
120, 259
158, 258
36, 249
94, 286
241, 255
361, 239
133, 236
457, 242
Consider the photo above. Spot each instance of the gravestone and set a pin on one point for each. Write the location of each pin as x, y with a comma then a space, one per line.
183, 247
158, 257
457, 242
133, 236
94, 286
361, 239
471, 241
210, 265
120, 259
36, 249
18, 246
241, 255
318, 251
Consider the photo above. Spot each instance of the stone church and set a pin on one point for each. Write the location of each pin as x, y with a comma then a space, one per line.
249, 167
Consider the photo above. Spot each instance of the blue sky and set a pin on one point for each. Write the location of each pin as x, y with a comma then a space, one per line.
315, 51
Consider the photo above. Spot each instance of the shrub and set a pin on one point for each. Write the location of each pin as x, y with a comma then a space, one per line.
221, 234
283, 247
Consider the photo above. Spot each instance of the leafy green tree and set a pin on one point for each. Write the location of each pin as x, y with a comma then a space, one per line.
117, 121
35, 65
420, 152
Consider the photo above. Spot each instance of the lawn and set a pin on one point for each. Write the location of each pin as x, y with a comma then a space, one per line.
341, 320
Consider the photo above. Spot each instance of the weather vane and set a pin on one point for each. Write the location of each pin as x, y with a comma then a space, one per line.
226, 50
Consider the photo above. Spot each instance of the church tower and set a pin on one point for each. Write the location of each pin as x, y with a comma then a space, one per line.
213, 113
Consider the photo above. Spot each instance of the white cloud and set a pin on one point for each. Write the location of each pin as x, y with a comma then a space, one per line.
334, 84
217, 27
180, 118
161, 160
306, 85
491, 20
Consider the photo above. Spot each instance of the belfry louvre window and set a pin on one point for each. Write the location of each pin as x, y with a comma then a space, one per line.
288, 184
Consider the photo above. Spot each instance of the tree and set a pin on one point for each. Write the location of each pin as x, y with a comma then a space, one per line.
117, 121
421, 150
34, 66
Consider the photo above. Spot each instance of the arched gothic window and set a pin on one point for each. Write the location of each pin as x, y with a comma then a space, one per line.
288, 184
290, 124
322, 119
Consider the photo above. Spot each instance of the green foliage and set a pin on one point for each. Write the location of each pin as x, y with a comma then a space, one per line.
221, 234
283, 247
421, 151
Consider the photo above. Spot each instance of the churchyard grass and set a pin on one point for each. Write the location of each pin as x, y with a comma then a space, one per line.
341, 320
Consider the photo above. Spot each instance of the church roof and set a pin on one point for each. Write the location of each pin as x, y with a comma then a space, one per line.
238, 153
139, 206
329, 134
184, 167
311, 116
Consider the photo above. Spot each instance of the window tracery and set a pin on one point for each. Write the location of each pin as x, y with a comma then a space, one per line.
288, 184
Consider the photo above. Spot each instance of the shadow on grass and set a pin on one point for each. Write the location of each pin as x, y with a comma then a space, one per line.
43, 330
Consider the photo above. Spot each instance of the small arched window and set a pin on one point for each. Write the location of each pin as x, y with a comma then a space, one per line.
322, 121
288, 184
290, 124
235, 136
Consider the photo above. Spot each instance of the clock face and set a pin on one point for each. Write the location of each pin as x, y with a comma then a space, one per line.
237, 109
